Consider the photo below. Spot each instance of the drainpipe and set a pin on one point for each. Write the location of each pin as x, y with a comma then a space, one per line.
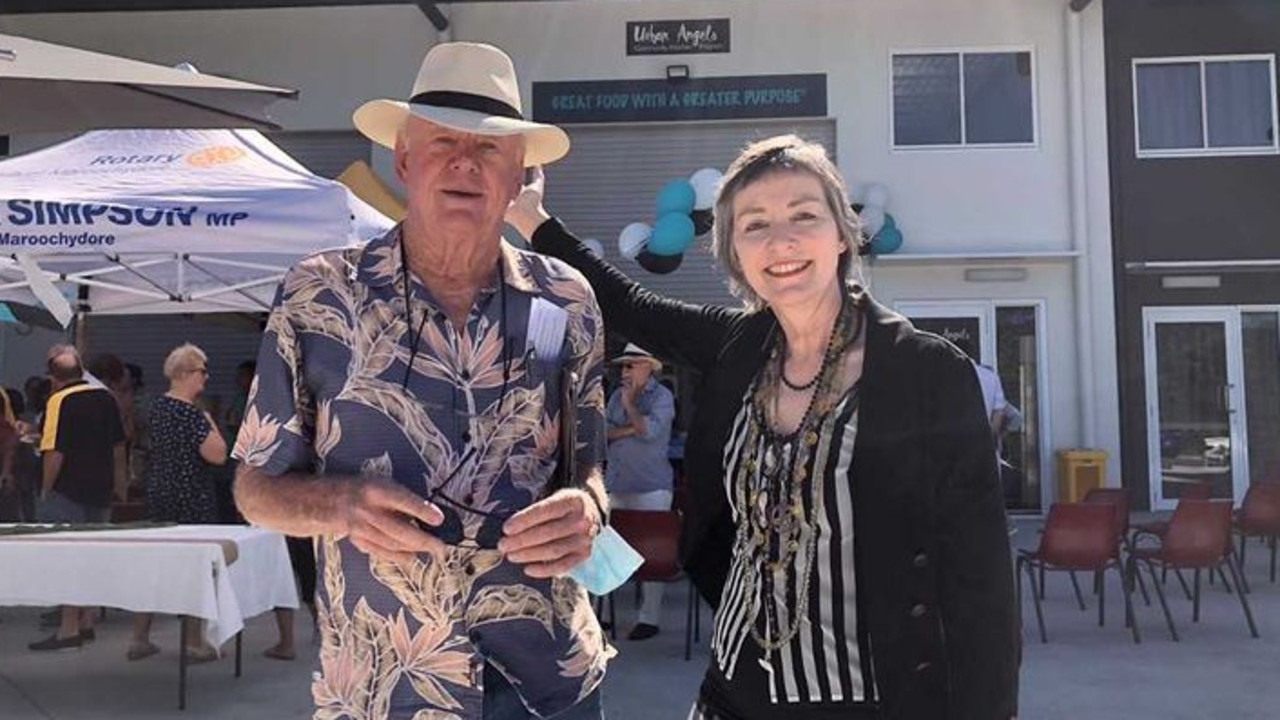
1079, 222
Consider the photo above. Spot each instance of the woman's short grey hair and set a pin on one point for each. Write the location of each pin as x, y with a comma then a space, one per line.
781, 153
184, 359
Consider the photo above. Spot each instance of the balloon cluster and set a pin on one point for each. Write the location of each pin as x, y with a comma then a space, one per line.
684, 212
878, 225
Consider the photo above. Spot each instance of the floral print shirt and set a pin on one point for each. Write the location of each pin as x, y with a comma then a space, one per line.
349, 383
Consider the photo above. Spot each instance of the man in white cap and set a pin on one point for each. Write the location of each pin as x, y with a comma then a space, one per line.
638, 475
406, 414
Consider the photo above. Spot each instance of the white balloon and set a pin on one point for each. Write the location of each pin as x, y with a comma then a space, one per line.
858, 193
632, 239
877, 195
595, 246
705, 182
872, 219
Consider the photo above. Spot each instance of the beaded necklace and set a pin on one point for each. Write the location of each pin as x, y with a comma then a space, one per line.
770, 486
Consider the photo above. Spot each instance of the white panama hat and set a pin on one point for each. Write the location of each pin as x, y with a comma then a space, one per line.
634, 353
470, 87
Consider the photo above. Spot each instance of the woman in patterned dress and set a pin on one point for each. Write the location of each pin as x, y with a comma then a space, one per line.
185, 443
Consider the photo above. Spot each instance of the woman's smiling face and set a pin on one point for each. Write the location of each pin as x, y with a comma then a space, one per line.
786, 238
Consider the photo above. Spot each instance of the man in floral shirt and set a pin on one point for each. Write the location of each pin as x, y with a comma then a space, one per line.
406, 414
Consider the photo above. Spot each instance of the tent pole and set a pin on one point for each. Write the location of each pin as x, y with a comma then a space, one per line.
79, 337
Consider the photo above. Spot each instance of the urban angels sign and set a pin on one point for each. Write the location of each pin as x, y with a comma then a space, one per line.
678, 37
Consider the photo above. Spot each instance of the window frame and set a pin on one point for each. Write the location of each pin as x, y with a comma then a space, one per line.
1204, 150
964, 144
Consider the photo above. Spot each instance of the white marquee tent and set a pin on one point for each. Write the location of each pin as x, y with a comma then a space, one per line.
165, 221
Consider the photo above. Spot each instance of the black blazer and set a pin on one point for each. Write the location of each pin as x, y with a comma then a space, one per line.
931, 550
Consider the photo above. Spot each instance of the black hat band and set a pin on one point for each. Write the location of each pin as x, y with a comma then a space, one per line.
466, 101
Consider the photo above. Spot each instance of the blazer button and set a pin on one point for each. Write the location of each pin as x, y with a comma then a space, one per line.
918, 610
923, 666
920, 560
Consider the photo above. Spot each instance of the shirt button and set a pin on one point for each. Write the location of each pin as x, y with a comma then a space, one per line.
920, 560
918, 610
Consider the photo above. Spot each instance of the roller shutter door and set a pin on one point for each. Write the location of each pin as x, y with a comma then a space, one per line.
326, 154
612, 176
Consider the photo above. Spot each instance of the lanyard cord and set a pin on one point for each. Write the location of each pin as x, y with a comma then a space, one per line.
416, 335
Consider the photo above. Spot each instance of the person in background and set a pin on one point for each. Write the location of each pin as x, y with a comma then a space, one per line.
139, 413
187, 445
81, 439
110, 370
845, 514
638, 474
178, 486
10, 435
245, 372
993, 399
27, 469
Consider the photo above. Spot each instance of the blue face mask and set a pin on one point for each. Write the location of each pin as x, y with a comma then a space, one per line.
612, 562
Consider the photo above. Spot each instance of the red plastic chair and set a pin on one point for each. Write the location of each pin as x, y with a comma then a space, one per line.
1198, 538
1121, 498
1259, 516
1078, 537
655, 534
1190, 491
1155, 529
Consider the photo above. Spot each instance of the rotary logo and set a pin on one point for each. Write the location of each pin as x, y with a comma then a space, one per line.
217, 155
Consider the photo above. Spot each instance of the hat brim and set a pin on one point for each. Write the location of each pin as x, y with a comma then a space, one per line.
655, 362
381, 120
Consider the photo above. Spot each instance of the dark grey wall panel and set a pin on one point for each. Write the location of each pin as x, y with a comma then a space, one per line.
1188, 208
1202, 208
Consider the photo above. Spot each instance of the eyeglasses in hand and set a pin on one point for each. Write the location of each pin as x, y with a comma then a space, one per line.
451, 530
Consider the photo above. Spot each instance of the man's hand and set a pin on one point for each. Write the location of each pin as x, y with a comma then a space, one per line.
552, 536
526, 213
379, 516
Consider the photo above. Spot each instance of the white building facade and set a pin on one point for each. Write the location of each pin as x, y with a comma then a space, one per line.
985, 121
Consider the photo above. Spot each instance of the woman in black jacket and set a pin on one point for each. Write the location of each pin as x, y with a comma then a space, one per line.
820, 413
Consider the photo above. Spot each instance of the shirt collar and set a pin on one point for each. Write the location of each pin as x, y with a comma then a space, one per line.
379, 264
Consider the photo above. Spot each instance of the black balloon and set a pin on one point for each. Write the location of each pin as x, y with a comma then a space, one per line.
659, 264
702, 221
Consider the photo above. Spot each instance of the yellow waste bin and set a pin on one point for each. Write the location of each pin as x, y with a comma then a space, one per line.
1079, 471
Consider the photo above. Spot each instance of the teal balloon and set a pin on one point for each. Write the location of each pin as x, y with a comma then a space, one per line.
888, 240
672, 234
677, 196
889, 221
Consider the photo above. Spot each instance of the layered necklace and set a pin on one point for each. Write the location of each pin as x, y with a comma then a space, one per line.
777, 534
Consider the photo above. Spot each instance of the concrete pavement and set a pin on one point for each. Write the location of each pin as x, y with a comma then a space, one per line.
1216, 671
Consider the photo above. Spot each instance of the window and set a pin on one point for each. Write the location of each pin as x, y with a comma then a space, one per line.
1205, 106
958, 99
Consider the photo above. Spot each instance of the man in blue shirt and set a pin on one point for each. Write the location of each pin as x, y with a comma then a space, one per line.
638, 475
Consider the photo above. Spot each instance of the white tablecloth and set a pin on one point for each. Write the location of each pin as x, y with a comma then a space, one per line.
163, 570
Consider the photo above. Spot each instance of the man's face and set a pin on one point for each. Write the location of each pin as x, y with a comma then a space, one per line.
635, 373
458, 181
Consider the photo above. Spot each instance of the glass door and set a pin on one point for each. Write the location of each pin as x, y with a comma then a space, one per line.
1260, 337
1195, 398
1006, 337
